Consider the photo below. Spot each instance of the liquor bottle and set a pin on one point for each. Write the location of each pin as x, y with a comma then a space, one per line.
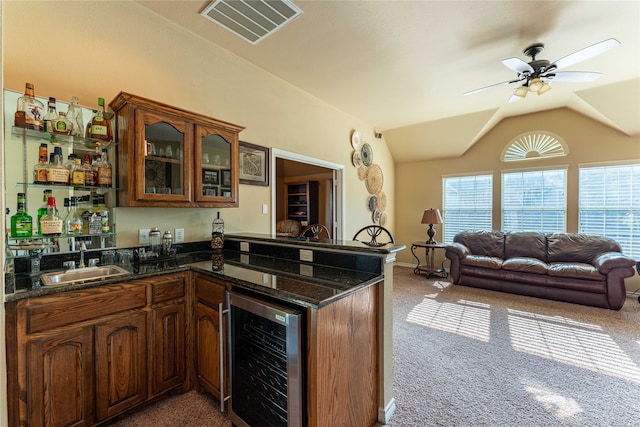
100, 208
105, 171
57, 173
95, 219
51, 115
62, 125
51, 223
73, 221
74, 115
100, 127
29, 111
41, 169
21, 222
42, 210
77, 173
89, 176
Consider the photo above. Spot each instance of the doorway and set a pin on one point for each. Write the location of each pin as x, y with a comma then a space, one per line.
290, 167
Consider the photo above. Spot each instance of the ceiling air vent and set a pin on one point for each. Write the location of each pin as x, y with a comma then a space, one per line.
253, 20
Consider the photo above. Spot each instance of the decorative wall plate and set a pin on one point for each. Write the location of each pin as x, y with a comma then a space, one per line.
356, 159
383, 219
373, 203
382, 201
376, 216
362, 172
356, 139
374, 179
367, 154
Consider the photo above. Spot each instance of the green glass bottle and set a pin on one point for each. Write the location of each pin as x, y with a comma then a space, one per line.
21, 222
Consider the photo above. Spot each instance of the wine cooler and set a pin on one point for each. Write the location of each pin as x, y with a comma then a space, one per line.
267, 382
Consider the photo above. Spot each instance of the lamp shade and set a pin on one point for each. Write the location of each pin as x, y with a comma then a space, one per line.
431, 216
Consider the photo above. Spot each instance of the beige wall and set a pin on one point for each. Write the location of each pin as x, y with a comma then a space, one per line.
419, 184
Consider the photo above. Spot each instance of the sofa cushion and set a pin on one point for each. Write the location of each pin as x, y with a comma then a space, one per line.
528, 244
525, 265
492, 263
575, 247
576, 270
488, 243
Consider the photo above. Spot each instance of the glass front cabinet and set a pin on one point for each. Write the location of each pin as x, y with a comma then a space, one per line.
172, 157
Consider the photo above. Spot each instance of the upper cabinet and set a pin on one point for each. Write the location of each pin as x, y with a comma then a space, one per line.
172, 157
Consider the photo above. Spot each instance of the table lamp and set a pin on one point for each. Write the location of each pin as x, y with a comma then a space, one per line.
431, 216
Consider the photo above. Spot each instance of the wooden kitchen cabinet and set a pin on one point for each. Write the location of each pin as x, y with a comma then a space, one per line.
121, 364
172, 157
168, 329
210, 336
82, 357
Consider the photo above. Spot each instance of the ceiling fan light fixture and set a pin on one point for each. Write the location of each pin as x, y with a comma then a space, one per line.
521, 91
535, 85
544, 88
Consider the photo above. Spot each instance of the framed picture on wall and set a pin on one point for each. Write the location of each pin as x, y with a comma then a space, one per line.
254, 164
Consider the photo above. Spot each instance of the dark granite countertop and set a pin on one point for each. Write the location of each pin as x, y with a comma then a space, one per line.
301, 283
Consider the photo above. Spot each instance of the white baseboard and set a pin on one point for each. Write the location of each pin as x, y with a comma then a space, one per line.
385, 414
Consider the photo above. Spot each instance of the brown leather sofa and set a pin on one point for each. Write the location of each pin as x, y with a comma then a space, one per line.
575, 268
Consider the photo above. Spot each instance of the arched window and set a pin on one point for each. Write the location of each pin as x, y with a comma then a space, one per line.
534, 145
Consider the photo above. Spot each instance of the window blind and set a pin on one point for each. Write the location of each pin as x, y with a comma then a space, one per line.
534, 201
609, 204
467, 204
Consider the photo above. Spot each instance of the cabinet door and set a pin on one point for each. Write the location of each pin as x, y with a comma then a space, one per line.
60, 381
121, 374
168, 363
216, 166
163, 167
207, 342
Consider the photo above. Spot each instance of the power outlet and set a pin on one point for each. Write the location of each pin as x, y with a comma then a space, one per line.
179, 235
143, 236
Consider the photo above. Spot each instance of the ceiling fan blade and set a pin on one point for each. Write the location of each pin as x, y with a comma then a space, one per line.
517, 65
573, 76
586, 53
514, 98
490, 87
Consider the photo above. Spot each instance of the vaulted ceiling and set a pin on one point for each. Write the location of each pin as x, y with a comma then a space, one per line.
403, 66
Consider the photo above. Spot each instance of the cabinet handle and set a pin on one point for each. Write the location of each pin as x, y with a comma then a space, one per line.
221, 313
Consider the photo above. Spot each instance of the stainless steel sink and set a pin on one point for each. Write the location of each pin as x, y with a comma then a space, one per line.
82, 274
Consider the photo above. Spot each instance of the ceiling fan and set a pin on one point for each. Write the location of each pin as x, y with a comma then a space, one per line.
538, 73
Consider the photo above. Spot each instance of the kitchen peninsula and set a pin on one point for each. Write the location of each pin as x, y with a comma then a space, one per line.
344, 289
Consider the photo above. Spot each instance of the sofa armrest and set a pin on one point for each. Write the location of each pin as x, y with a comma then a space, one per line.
607, 261
457, 250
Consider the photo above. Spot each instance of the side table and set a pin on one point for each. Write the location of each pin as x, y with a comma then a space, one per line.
428, 269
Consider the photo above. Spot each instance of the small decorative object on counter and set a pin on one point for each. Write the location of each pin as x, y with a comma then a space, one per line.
74, 114
167, 243
21, 222
155, 240
217, 262
30, 111
217, 233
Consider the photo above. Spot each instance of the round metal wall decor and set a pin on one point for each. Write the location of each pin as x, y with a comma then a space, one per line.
366, 152
373, 203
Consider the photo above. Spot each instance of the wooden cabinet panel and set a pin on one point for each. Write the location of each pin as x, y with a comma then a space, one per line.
121, 364
76, 306
60, 379
167, 288
168, 347
207, 348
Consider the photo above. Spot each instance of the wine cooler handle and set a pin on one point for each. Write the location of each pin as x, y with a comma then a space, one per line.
221, 313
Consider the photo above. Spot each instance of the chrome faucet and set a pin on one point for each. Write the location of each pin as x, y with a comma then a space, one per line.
83, 248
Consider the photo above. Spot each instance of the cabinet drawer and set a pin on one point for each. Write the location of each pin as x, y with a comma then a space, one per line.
210, 291
77, 306
167, 288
